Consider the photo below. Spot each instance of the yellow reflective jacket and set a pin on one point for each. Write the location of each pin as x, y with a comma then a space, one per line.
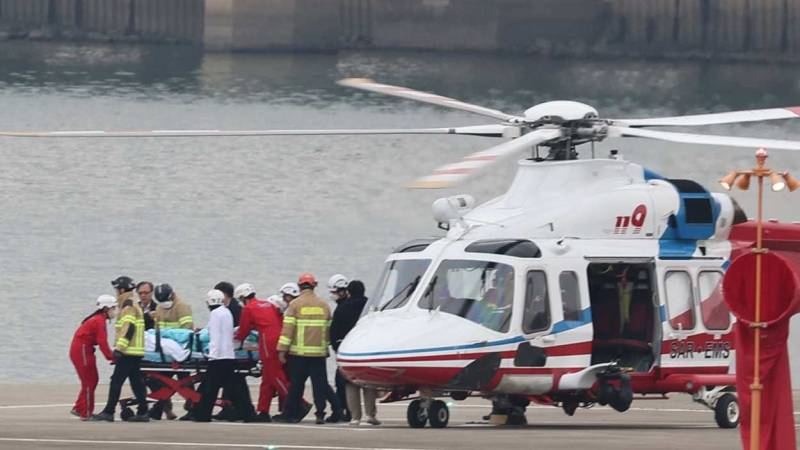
306, 326
129, 329
179, 316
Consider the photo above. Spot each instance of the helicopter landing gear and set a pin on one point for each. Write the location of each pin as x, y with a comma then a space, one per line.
723, 401
417, 413
427, 410
439, 414
726, 411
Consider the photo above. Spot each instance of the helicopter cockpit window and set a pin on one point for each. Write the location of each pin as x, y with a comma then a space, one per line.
479, 291
397, 283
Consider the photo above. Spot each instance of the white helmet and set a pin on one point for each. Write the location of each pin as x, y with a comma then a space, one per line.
337, 282
277, 300
215, 297
290, 289
244, 290
106, 300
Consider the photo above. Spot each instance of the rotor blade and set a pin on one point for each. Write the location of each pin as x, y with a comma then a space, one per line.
479, 130
451, 174
755, 115
704, 139
397, 91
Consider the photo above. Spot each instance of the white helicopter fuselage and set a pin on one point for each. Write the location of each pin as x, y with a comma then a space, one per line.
539, 251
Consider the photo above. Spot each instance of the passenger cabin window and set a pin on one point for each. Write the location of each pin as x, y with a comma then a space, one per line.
680, 300
397, 283
716, 315
536, 316
479, 291
570, 296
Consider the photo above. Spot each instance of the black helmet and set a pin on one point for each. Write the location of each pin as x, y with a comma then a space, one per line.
124, 283
163, 292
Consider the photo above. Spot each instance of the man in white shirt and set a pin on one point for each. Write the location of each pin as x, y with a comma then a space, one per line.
221, 362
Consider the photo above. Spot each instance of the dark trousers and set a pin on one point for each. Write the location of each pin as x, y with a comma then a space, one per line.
127, 367
241, 389
300, 369
220, 374
341, 389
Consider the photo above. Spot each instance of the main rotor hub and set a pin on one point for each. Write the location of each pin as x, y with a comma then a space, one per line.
560, 111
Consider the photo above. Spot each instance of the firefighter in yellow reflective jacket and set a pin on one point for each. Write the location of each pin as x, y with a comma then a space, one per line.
128, 352
305, 337
171, 311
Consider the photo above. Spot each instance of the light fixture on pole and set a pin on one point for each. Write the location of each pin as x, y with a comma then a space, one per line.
780, 181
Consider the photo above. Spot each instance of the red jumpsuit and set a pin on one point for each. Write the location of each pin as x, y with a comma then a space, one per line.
267, 321
91, 332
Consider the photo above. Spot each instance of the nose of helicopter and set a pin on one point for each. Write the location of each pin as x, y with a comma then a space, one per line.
392, 349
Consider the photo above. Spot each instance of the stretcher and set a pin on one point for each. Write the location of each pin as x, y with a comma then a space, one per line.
159, 376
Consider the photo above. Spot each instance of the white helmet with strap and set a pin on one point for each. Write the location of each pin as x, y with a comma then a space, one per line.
278, 302
106, 301
215, 297
243, 290
290, 289
337, 282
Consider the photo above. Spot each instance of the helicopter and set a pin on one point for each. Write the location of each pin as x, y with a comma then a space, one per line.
590, 281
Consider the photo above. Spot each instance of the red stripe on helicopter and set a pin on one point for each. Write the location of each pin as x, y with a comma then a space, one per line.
479, 158
794, 109
452, 172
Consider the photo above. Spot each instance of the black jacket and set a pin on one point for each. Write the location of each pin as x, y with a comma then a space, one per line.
345, 318
149, 323
236, 311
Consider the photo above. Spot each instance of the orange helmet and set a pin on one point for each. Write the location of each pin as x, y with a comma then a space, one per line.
307, 278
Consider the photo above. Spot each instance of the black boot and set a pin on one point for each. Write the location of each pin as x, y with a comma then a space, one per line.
335, 417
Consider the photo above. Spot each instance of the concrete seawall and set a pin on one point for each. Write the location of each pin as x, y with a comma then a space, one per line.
714, 29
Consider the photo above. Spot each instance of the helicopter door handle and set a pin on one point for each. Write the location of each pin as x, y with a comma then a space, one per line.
549, 339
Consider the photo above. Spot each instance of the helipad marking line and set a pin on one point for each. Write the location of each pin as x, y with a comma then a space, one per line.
294, 425
36, 406
193, 444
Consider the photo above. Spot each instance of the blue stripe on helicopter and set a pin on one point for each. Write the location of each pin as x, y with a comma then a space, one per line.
440, 349
650, 175
559, 327
564, 325
679, 240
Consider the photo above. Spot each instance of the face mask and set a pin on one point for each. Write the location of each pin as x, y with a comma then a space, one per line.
167, 305
112, 313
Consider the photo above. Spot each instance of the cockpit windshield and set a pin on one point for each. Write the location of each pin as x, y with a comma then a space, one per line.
479, 291
397, 283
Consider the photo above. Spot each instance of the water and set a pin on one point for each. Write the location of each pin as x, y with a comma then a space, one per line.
192, 212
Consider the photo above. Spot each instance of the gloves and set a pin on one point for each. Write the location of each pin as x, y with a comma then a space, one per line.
282, 357
118, 355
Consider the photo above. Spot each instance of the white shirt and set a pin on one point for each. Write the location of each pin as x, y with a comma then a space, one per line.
220, 334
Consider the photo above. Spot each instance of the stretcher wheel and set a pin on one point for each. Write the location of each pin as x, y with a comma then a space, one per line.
416, 415
726, 411
126, 414
439, 414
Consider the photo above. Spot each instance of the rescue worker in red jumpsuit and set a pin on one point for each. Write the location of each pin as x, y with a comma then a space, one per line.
266, 318
91, 332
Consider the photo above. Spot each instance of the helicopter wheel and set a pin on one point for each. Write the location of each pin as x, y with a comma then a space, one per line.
417, 415
439, 414
727, 411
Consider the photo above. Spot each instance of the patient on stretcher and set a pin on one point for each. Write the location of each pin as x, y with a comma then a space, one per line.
180, 345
